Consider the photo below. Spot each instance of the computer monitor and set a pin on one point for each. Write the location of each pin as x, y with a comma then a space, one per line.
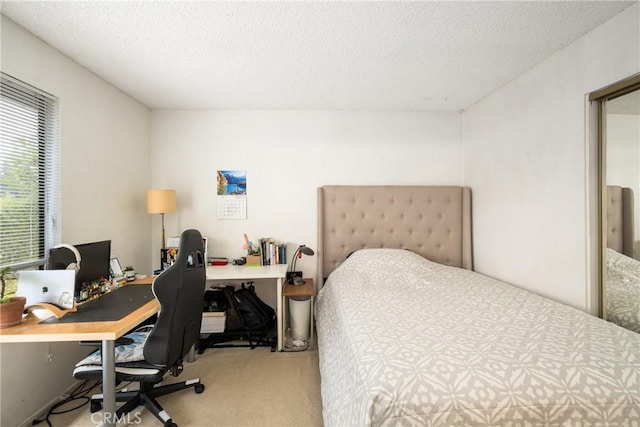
94, 263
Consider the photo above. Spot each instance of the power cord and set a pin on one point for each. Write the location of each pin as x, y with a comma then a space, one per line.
292, 344
294, 348
80, 393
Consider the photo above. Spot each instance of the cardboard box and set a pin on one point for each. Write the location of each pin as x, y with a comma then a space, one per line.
253, 260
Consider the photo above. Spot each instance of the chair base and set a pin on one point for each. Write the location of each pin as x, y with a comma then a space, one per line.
146, 397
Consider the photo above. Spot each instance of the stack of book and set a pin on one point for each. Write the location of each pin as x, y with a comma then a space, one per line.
213, 322
273, 251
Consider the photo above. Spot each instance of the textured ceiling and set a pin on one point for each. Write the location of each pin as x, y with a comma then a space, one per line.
426, 56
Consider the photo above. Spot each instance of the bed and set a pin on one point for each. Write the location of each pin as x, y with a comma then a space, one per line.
408, 334
622, 291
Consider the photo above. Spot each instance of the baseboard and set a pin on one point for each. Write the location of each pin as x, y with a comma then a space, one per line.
42, 412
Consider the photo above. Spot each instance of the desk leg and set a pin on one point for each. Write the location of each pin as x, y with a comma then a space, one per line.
192, 354
311, 342
109, 382
279, 313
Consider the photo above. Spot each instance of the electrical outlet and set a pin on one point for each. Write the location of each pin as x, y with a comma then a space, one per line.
50, 357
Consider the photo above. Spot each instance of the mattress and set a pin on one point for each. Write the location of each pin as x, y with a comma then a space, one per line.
623, 290
405, 341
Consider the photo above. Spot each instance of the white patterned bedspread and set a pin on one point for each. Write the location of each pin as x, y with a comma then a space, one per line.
405, 341
623, 290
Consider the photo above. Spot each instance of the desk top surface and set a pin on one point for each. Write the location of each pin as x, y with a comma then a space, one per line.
235, 272
30, 330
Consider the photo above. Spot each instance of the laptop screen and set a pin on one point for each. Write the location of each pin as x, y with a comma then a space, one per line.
47, 286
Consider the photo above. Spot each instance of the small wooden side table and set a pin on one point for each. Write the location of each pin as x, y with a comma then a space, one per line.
304, 290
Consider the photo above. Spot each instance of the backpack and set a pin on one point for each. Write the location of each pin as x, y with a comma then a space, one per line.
255, 313
232, 322
246, 312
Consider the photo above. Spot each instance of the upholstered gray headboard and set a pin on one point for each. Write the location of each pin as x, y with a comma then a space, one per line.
620, 231
433, 221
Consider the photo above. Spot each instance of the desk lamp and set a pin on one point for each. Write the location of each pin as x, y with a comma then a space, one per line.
294, 276
162, 202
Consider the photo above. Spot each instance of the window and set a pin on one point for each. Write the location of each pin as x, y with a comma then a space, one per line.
29, 174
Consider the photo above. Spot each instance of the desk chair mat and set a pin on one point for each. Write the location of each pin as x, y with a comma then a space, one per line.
109, 307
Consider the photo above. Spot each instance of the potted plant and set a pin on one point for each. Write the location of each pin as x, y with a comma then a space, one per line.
253, 252
129, 273
11, 308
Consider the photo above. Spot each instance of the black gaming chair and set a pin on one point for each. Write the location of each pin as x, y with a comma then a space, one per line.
180, 291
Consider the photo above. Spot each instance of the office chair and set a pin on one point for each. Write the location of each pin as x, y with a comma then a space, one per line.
180, 291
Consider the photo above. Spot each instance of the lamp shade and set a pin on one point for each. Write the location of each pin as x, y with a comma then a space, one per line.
161, 201
306, 250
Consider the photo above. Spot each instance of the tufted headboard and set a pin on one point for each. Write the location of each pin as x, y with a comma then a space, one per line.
620, 232
433, 221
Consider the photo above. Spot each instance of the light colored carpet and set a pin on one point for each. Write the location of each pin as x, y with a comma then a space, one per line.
244, 387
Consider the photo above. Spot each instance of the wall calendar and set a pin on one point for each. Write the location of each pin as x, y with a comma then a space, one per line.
232, 194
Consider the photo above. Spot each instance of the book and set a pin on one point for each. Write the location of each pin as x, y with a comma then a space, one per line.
273, 251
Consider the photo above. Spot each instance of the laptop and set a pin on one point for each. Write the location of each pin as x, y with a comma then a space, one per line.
49, 286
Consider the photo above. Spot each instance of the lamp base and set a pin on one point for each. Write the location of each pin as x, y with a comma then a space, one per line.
292, 275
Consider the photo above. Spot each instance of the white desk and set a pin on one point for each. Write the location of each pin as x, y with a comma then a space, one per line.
243, 272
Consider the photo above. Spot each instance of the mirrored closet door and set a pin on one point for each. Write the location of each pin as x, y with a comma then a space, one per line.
620, 205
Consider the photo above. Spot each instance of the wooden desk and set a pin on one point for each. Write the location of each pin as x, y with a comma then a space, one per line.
30, 330
244, 272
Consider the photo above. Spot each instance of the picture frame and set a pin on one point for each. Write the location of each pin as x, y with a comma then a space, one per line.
115, 269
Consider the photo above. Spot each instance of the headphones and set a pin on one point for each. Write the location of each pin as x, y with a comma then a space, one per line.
74, 265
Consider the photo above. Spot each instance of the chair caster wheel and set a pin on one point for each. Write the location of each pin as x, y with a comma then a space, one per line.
95, 407
170, 424
199, 388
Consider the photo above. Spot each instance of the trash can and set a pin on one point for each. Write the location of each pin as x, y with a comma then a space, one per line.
300, 315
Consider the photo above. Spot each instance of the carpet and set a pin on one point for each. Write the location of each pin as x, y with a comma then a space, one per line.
244, 387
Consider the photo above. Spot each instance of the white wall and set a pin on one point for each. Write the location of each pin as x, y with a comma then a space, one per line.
105, 171
287, 155
526, 157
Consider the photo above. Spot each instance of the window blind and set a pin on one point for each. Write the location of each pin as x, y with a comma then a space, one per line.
29, 174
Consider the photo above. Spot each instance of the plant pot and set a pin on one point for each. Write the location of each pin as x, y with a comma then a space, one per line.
11, 312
